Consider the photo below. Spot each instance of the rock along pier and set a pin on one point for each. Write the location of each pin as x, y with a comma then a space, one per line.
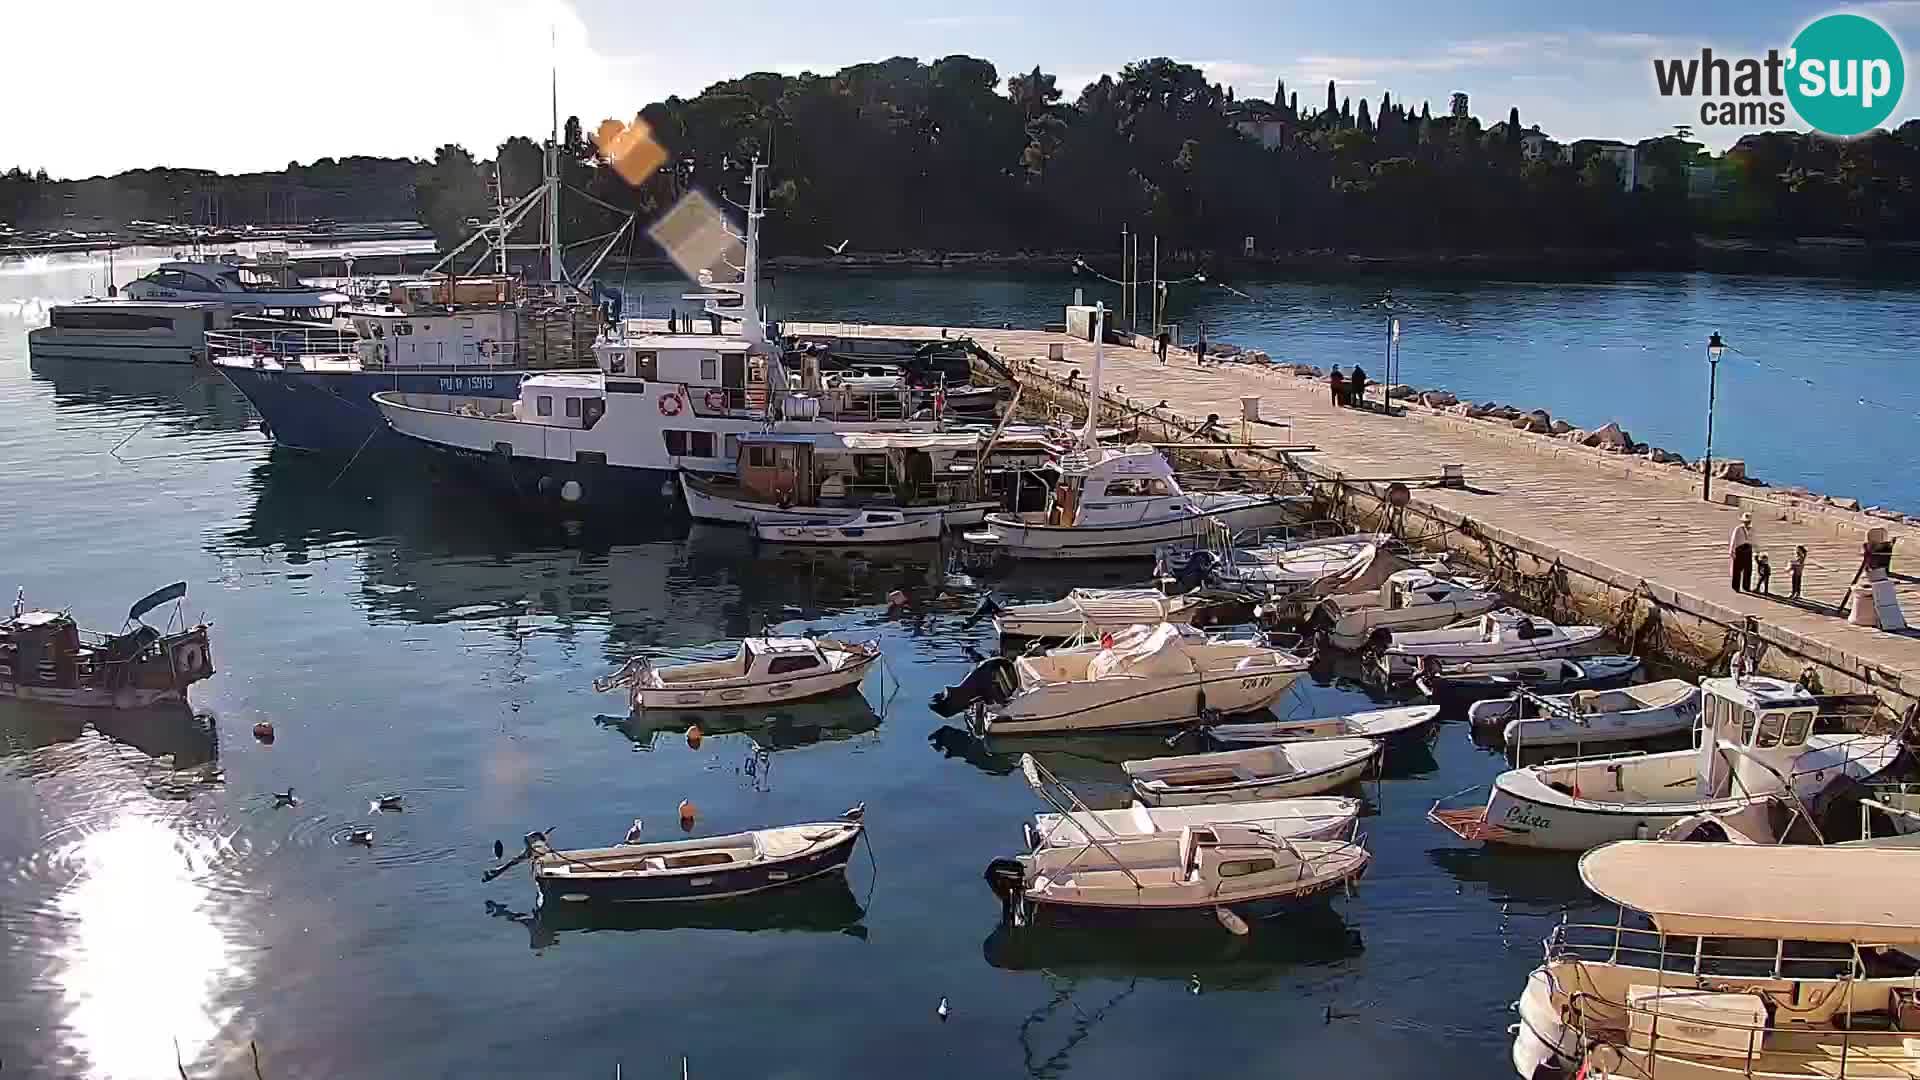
1578, 533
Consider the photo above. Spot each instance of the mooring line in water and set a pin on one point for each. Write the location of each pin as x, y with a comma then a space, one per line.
356, 457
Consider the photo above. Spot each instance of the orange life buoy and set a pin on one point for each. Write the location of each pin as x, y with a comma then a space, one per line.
716, 400
670, 405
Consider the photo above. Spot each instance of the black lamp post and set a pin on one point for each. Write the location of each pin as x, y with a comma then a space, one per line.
1715, 347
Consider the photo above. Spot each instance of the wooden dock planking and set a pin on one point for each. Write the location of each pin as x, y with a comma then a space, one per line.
1624, 515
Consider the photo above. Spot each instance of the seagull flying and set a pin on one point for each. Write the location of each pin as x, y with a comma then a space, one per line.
837, 249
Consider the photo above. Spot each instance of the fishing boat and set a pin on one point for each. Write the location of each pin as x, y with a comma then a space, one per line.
1396, 729
1225, 873
1074, 823
45, 656
1457, 685
686, 871
1413, 599
1757, 740
761, 670
1762, 962
1279, 771
1146, 676
1506, 634
1093, 611
864, 527
1590, 718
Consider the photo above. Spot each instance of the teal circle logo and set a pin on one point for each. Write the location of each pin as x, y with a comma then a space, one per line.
1847, 74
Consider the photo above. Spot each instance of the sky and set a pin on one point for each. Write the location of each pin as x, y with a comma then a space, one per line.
97, 86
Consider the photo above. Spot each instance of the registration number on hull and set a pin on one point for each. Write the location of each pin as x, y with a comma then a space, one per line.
466, 382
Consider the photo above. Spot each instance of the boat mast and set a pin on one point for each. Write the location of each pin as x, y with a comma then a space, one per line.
752, 327
1089, 437
556, 270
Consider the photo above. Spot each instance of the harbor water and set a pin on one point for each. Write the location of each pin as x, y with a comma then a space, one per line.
156, 900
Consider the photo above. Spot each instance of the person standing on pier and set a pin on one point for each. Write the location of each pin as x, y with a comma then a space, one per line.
1338, 383
1763, 575
1357, 388
1794, 569
1200, 350
1160, 344
1740, 547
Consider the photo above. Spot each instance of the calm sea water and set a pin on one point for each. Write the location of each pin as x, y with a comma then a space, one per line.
404, 639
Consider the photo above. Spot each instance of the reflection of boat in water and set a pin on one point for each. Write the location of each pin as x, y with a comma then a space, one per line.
179, 396
1524, 877
824, 906
772, 727
1081, 759
158, 731
1312, 937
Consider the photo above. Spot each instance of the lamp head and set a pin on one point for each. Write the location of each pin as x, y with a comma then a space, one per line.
1715, 346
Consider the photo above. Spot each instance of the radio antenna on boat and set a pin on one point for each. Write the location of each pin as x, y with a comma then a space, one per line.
1089, 436
556, 270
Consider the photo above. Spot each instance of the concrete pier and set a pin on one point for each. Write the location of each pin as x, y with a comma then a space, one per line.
1575, 531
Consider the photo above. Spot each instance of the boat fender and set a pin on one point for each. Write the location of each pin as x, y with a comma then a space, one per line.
1007, 878
687, 815
571, 491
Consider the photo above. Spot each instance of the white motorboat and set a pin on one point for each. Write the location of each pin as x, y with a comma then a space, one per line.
761, 670
262, 286
1756, 741
1280, 771
1498, 635
144, 331
1397, 728
1415, 599
1143, 677
1261, 566
1761, 963
1317, 818
1091, 611
1591, 718
864, 527
1229, 873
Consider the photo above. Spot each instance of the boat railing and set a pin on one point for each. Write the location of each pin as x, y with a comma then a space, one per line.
279, 342
1621, 945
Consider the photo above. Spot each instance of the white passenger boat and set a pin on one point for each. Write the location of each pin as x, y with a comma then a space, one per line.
1281, 771
761, 670
265, 287
1756, 741
1398, 728
141, 331
1091, 611
1318, 818
1143, 677
1763, 963
1498, 635
1231, 874
864, 527
1415, 599
1592, 718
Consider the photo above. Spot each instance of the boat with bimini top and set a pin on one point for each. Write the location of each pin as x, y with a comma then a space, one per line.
45, 656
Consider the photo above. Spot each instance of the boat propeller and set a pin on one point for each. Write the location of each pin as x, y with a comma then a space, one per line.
526, 853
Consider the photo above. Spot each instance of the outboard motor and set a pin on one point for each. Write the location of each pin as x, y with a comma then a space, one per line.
992, 681
1008, 879
988, 608
1194, 572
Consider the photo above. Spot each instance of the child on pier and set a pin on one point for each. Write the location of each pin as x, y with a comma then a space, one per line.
1763, 573
1794, 570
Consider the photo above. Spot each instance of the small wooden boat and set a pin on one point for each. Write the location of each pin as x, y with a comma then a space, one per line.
1144, 677
1498, 635
1455, 686
1091, 611
1757, 741
45, 656
761, 670
1413, 599
1224, 873
864, 527
1593, 718
1280, 771
1395, 729
1074, 823
680, 871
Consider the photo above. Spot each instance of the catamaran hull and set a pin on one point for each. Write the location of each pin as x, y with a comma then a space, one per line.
1022, 541
1053, 708
333, 412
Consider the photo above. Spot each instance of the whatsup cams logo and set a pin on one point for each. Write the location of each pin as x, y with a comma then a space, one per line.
1843, 76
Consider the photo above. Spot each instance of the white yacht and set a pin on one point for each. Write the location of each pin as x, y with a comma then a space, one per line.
143, 331
265, 286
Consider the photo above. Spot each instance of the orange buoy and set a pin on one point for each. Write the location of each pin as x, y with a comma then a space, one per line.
686, 815
263, 731
694, 736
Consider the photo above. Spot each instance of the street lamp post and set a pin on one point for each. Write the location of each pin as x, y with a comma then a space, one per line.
1715, 347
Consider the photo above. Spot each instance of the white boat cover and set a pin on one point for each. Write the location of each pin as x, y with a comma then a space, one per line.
1148, 606
1798, 892
1158, 653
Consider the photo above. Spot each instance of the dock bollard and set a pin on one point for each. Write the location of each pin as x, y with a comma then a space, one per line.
1453, 476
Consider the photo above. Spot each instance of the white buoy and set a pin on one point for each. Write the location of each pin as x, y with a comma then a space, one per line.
570, 491
942, 1011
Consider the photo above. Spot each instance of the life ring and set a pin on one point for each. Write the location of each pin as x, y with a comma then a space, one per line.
670, 405
716, 400
189, 658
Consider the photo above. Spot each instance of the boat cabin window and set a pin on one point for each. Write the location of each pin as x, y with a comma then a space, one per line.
1799, 726
1243, 867
709, 369
883, 519
1530, 629
544, 406
730, 446
700, 444
780, 665
79, 318
617, 363
646, 365
1746, 724
1772, 724
760, 457
676, 442
573, 407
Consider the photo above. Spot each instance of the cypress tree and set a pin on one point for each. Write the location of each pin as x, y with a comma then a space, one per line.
1513, 126
1346, 112
1333, 106
1293, 106
1366, 121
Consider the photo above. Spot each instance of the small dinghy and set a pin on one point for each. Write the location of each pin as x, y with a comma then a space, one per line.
864, 527
1226, 874
1091, 611
1073, 823
1280, 771
1756, 742
679, 871
1590, 718
1143, 677
1396, 729
1415, 599
1498, 635
1455, 686
762, 670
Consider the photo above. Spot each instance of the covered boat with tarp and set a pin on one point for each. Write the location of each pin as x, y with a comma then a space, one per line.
46, 656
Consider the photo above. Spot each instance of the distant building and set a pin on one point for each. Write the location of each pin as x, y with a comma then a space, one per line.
1535, 146
1459, 107
1264, 123
1624, 157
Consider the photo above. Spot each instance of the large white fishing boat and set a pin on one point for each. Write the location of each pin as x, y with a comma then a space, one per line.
1756, 742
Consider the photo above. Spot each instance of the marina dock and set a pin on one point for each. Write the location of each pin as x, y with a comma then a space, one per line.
1573, 530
